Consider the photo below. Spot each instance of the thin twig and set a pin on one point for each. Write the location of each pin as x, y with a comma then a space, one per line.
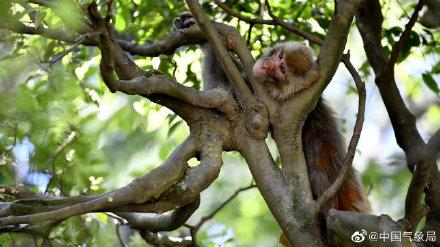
47, 242
405, 35
60, 55
71, 138
35, 240
174, 69
42, 2
222, 205
292, 28
275, 21
248, 39
243, 92
241, 17
345, 171
195, 228
118, 234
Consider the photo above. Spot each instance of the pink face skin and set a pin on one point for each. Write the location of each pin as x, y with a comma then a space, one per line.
271, 67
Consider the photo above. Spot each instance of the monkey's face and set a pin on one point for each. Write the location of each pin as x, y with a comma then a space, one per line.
283, 62
272, 67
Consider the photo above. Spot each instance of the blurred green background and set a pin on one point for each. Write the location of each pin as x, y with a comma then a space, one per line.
57, 112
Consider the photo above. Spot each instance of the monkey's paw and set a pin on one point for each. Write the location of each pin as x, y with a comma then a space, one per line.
284, 96
281, 95
275, 92
185, 20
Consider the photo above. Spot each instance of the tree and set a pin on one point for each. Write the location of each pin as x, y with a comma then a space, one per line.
53, 102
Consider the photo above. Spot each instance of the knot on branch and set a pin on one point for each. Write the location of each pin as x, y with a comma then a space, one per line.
257, 121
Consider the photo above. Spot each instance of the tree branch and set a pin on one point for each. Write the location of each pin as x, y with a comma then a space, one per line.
194, 229
405, 35
184, 192
419, 160
345, 171
241, 17
211, 144
289, 205
222, 205
434, 144
113, 58
403, 121
140, 190
146, 86
42, 2
163, 222
292, 28
157, 239
342, 225
22, 192
42, 230
232, 72
415, 210
275, 21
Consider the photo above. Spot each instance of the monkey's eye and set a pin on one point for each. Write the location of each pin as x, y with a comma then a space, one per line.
280, 56
283, 69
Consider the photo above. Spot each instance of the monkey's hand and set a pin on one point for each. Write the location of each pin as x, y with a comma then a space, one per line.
185, 20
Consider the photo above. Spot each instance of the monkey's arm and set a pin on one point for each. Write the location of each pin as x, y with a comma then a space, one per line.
212, 73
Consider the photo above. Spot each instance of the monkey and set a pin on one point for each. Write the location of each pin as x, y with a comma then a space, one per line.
213, 75
323, 145
287, 69
289, 66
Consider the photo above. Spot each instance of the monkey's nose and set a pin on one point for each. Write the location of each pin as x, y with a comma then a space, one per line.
267, 65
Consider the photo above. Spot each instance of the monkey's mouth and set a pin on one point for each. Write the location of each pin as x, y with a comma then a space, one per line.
273, 79
279, 74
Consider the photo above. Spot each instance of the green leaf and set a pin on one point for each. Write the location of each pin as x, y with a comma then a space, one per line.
392, 34
430, 82
103, 217
413, 41
436, 69
395, 31
25, 101
120, 24
324, 23
173, 128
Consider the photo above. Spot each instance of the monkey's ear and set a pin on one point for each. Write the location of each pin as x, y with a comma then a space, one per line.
298, 58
